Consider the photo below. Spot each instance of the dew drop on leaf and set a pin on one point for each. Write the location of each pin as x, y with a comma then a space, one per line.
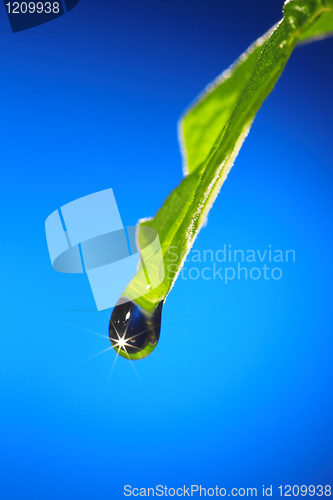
133, 331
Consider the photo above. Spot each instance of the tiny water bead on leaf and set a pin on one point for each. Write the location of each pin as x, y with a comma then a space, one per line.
133, 331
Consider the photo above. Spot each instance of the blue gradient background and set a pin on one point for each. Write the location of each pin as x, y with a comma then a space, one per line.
239, 393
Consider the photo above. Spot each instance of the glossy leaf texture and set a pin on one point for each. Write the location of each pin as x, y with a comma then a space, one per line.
213, 129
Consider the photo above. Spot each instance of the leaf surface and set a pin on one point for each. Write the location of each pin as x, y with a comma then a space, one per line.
213, 130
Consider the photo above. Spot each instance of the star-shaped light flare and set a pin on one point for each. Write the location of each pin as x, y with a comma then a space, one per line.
122, 342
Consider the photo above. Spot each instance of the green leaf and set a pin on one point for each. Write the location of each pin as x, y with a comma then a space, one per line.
211, 133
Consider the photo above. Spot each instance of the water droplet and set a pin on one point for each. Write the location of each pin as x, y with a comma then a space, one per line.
133, 331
